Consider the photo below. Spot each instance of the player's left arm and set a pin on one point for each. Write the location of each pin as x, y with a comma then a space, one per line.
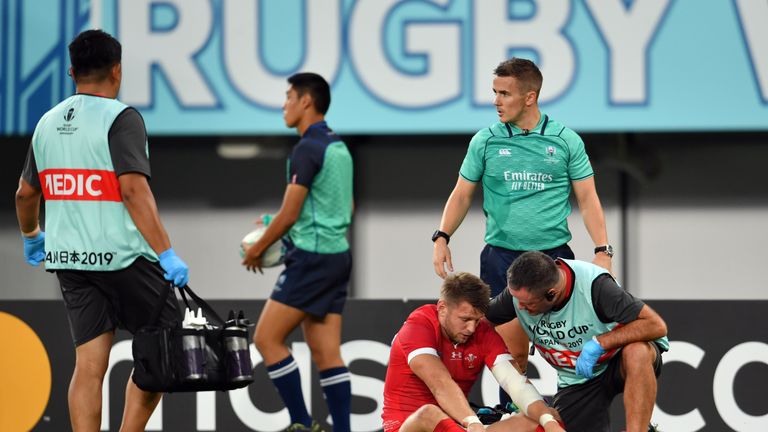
289, 212
517, 343
524, 394
593, 216
507, 374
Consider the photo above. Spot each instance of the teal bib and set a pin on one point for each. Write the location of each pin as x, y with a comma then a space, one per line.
560, 335
87, 226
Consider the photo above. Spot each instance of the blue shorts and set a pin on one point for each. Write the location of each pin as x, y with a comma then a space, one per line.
495, 260
313, 282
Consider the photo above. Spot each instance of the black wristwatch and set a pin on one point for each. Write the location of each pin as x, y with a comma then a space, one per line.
442, 234
606, 249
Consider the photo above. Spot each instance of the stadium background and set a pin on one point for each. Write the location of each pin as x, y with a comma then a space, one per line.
671, 98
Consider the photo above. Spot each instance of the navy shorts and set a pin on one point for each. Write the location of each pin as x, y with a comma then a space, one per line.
101, 301
313, 282
586, 407
495, 261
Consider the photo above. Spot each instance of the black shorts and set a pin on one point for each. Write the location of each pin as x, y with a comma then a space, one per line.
313, 282
495, 261
585, 407
101, 301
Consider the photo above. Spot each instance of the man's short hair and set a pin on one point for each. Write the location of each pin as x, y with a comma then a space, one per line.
524, 71
466, 287
535, 271
92, 54
316, 86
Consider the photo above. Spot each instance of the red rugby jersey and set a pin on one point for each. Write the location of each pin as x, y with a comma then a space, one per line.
404, 392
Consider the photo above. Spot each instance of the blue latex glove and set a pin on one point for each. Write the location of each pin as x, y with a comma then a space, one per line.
590, 352
176, 270
34, 248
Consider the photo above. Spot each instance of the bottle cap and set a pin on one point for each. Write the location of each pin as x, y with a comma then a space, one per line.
192, 320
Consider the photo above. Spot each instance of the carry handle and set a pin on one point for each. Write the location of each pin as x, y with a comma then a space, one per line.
210, 313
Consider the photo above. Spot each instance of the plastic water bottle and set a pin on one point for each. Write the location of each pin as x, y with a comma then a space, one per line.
193, 345
239, 366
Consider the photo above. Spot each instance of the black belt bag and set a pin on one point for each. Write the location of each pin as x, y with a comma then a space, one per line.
178, 359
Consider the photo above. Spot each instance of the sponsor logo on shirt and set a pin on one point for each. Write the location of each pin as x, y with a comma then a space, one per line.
80, 185
524, 180
505, 152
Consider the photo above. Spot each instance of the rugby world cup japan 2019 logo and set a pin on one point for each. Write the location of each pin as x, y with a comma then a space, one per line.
550, 151
70, 115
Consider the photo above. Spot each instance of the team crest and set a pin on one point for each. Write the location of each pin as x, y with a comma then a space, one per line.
470, 361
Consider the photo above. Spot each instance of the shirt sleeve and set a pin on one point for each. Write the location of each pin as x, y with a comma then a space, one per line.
306, 161
29, 172
613, 303
502, 309
416, 337
579, 166
494, 348
474, 162
128, 144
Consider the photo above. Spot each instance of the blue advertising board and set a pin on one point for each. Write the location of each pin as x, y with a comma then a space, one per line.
218, 67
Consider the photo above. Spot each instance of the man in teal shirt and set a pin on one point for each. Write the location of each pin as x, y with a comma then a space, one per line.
105, 241
527, 163
312, 290
601, 340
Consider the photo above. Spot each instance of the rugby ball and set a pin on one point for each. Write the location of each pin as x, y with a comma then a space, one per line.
272, 257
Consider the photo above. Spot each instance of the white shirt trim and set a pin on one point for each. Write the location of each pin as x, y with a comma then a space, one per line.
419, 351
